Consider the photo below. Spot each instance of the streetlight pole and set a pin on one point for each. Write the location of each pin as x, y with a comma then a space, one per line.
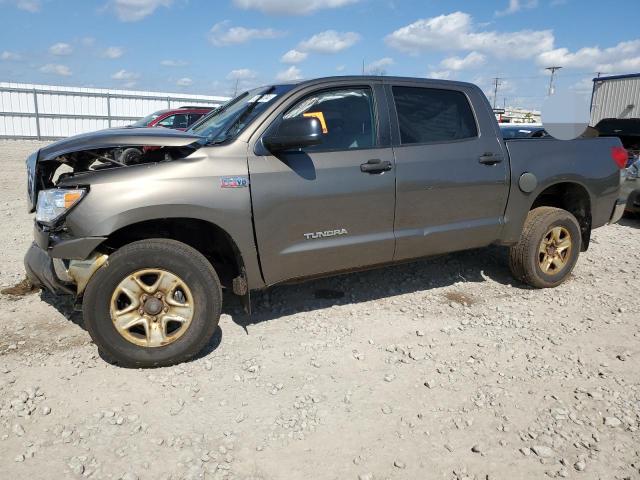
553, 73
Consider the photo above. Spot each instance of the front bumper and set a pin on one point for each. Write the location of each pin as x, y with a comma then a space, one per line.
61, 263
41, 272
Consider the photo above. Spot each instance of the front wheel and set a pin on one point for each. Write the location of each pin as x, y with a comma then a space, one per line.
548, 248
154, 303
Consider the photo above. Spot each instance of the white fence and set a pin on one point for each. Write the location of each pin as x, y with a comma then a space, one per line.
50, 112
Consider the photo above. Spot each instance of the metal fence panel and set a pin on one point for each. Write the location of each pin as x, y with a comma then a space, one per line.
50, 112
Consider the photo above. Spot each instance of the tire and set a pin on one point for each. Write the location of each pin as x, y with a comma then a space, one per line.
195, 296
527, 261
130, 156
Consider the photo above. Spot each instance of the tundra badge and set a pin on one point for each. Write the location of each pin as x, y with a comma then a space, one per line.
327, 233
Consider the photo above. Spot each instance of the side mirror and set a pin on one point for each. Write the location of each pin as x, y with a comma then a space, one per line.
296, 132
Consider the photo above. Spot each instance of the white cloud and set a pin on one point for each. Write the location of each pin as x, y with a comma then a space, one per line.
474, 59
456, 31
32, 6
241, 74
624, 57
113, 52
379, 67
135, 10
125, 75
329, 41
294, 56
174, 63
88, 41
9, 56
184, 82
291, 7
60, 49
291, 74
222, 34
515, 6
439, 74
56, 69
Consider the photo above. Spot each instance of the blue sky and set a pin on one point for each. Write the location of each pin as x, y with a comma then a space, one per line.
206, 47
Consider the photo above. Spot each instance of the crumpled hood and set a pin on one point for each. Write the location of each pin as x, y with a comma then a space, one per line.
118, 137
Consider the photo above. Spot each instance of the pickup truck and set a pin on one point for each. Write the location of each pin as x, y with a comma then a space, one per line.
289, 182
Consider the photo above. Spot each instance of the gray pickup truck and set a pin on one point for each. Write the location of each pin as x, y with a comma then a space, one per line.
288, 182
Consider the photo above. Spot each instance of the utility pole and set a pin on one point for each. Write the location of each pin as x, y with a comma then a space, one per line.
553, 73
363, 66
235, 92
496, 84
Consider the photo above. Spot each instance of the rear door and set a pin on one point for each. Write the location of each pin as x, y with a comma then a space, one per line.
315, 210
452, 176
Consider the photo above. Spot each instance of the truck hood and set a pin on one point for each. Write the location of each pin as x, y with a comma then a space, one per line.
118, 137
41, 165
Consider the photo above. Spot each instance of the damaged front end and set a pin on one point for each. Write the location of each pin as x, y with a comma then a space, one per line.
59, 177
104, 149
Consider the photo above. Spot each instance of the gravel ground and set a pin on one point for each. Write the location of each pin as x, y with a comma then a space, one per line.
443, 368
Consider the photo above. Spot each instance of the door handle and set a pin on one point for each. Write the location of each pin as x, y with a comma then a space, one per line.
490, 158
375, 166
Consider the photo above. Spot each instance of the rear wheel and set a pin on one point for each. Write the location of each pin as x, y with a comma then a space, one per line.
154, 303
548, 249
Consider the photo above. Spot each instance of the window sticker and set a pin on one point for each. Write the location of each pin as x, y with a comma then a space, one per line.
319, 116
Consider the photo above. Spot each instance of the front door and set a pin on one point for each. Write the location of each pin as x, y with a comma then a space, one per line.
452, 175
315, 209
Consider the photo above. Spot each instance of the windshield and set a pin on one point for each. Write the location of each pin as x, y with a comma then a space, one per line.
230, 119
143, 122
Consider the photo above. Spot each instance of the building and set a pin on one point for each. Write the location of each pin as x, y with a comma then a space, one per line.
615, 97
48, 112
517, 115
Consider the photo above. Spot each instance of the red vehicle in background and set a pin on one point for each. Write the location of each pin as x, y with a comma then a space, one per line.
176, 118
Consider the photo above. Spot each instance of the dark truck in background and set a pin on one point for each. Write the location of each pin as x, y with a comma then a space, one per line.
288, 182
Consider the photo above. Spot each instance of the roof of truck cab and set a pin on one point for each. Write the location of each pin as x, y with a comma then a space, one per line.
385, 79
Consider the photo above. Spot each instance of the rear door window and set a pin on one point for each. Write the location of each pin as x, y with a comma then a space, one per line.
430, 115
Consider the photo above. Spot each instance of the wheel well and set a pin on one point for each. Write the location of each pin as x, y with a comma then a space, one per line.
209, 239
573, 198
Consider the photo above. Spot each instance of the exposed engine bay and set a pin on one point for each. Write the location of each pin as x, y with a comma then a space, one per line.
117, 148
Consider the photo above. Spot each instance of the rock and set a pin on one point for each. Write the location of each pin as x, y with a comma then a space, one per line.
18, 430
419, 333
399, 464
386, 409
45, 410
389, 378
76, 466
612, 422
129, 476
580, 465
19, 458
477, 448
365, 476
542, 451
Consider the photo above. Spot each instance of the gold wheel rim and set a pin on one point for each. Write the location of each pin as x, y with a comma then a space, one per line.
555, 250
152, 307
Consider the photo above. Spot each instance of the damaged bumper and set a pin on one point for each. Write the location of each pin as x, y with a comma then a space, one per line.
62, 265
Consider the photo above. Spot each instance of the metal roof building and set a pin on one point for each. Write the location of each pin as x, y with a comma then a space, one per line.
616, 96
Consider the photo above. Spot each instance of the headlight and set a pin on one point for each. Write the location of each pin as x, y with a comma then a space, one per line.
54, 203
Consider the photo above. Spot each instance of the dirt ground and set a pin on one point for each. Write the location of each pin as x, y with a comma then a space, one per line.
443, 369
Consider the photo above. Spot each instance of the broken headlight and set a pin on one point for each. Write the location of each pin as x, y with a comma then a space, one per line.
54, 203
